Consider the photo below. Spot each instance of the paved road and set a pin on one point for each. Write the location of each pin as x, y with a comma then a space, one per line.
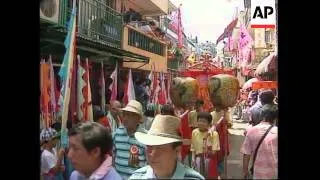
235, 157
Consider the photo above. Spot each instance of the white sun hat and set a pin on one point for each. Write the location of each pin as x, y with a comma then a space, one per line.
135, 107
164, 130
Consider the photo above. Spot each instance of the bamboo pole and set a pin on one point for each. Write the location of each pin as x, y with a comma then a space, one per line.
226, 147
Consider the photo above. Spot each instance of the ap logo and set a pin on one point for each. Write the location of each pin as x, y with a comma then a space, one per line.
263, 14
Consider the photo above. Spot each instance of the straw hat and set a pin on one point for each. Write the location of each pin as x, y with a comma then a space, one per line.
164, 130
135, 107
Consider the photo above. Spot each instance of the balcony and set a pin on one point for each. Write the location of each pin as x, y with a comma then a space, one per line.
99, 23
138, 42
99, 31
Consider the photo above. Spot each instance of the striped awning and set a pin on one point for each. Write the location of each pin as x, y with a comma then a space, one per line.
267, 65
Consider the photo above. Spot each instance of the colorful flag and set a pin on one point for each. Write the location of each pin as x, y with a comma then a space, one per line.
73, 96
169, 101
173, 24
114, 85
65, 72
151, 78
80, 86
52, 87
41, 85
155, 88
129, 91
245, 38
88, 114
230, 42
103, 90
45, 86
163, 93
180, 29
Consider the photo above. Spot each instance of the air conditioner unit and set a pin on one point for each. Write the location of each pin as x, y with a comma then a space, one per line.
49, 11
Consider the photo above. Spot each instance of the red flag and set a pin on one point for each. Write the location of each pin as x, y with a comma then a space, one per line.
222, 129
186, 133
114, 85
125, 90
103, 90
155, 88
163, 93
173, 24
45, 86
53, 102
180, 29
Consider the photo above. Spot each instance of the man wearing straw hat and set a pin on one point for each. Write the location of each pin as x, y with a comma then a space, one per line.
163, 141
128, 152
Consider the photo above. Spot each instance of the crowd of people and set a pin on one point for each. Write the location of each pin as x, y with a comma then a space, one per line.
150, 27
176, 143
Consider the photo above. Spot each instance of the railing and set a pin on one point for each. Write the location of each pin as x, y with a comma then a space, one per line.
99, 22
63, 8
173, 64
142, 41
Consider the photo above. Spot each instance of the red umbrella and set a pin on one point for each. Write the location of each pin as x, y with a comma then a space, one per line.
248, 84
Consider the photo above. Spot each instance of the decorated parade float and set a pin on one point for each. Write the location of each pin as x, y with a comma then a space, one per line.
201, 70
220, 90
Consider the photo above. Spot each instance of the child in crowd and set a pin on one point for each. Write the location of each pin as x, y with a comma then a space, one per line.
51, 160
204, 145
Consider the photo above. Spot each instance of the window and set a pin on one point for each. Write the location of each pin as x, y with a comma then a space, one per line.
268, 37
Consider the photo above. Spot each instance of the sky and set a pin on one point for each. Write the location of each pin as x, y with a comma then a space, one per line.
207, 18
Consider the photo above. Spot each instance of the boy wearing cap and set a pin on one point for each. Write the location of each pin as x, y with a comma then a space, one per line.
129, 154
163, 141
51, 161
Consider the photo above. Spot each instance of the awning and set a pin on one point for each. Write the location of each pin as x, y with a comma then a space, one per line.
93, 48
151, 7
267, 65
248, 84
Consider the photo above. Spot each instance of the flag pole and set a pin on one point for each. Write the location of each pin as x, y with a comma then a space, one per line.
66, 74
226, 147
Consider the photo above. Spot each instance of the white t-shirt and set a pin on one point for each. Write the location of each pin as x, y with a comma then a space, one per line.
48, 160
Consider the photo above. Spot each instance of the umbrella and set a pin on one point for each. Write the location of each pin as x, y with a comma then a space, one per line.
266, 64
248, 84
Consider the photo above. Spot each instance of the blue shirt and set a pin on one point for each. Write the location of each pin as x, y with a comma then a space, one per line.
181, 172
122, 143
111, 175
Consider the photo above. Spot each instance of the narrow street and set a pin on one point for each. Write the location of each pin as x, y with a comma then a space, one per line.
235, 157
134, 77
